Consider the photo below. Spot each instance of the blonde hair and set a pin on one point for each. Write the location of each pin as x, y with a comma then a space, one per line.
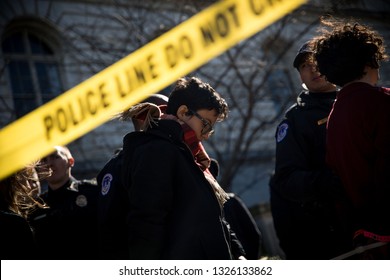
18, 194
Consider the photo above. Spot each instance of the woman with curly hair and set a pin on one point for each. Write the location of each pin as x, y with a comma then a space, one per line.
358, 135
18, 194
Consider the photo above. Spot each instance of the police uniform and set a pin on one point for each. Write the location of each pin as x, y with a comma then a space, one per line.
302, 187
67, 229
113, 205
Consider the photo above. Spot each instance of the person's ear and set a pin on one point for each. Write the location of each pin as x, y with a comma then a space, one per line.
71, 161
182, 112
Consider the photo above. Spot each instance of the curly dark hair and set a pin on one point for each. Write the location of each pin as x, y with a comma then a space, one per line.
343, 52
196, 95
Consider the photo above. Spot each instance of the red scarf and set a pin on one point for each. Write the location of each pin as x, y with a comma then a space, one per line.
201, 157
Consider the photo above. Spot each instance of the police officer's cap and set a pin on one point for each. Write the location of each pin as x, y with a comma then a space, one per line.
305, 49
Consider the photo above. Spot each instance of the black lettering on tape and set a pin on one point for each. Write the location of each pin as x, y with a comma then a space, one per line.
221, 26
257, 6
126, 86
207, 35
183, 49
73, 117
82, 107
171, 55
75, 113
92, 108
233, 12
152, 67
61, 118
272, 2
186, 47
49, 124
148, 69
135, 76
139, 73
145, 71
103, 96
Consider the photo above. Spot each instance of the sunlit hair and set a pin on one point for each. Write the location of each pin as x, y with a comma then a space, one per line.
18, 194
63, 150
344, 49
196, 95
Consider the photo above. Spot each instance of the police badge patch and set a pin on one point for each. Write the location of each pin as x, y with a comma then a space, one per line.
81, 200
106, 183
282, 132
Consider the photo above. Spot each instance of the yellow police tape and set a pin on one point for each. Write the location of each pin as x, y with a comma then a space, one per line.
133, 78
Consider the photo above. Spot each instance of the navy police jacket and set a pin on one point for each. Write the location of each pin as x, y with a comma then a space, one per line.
303, 188
113, 208
67, 229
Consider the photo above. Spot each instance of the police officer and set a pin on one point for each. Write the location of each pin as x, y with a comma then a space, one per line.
302, 187
67, 228
113, 202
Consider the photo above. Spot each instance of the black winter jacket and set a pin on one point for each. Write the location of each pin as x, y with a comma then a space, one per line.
303, 187
113, 208
16, 237
67, 230
174, 213
300, 169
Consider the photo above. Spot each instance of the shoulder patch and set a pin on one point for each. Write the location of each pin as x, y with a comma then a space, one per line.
106, 183
282, 132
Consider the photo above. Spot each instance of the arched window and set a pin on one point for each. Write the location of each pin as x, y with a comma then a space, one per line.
33, 67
